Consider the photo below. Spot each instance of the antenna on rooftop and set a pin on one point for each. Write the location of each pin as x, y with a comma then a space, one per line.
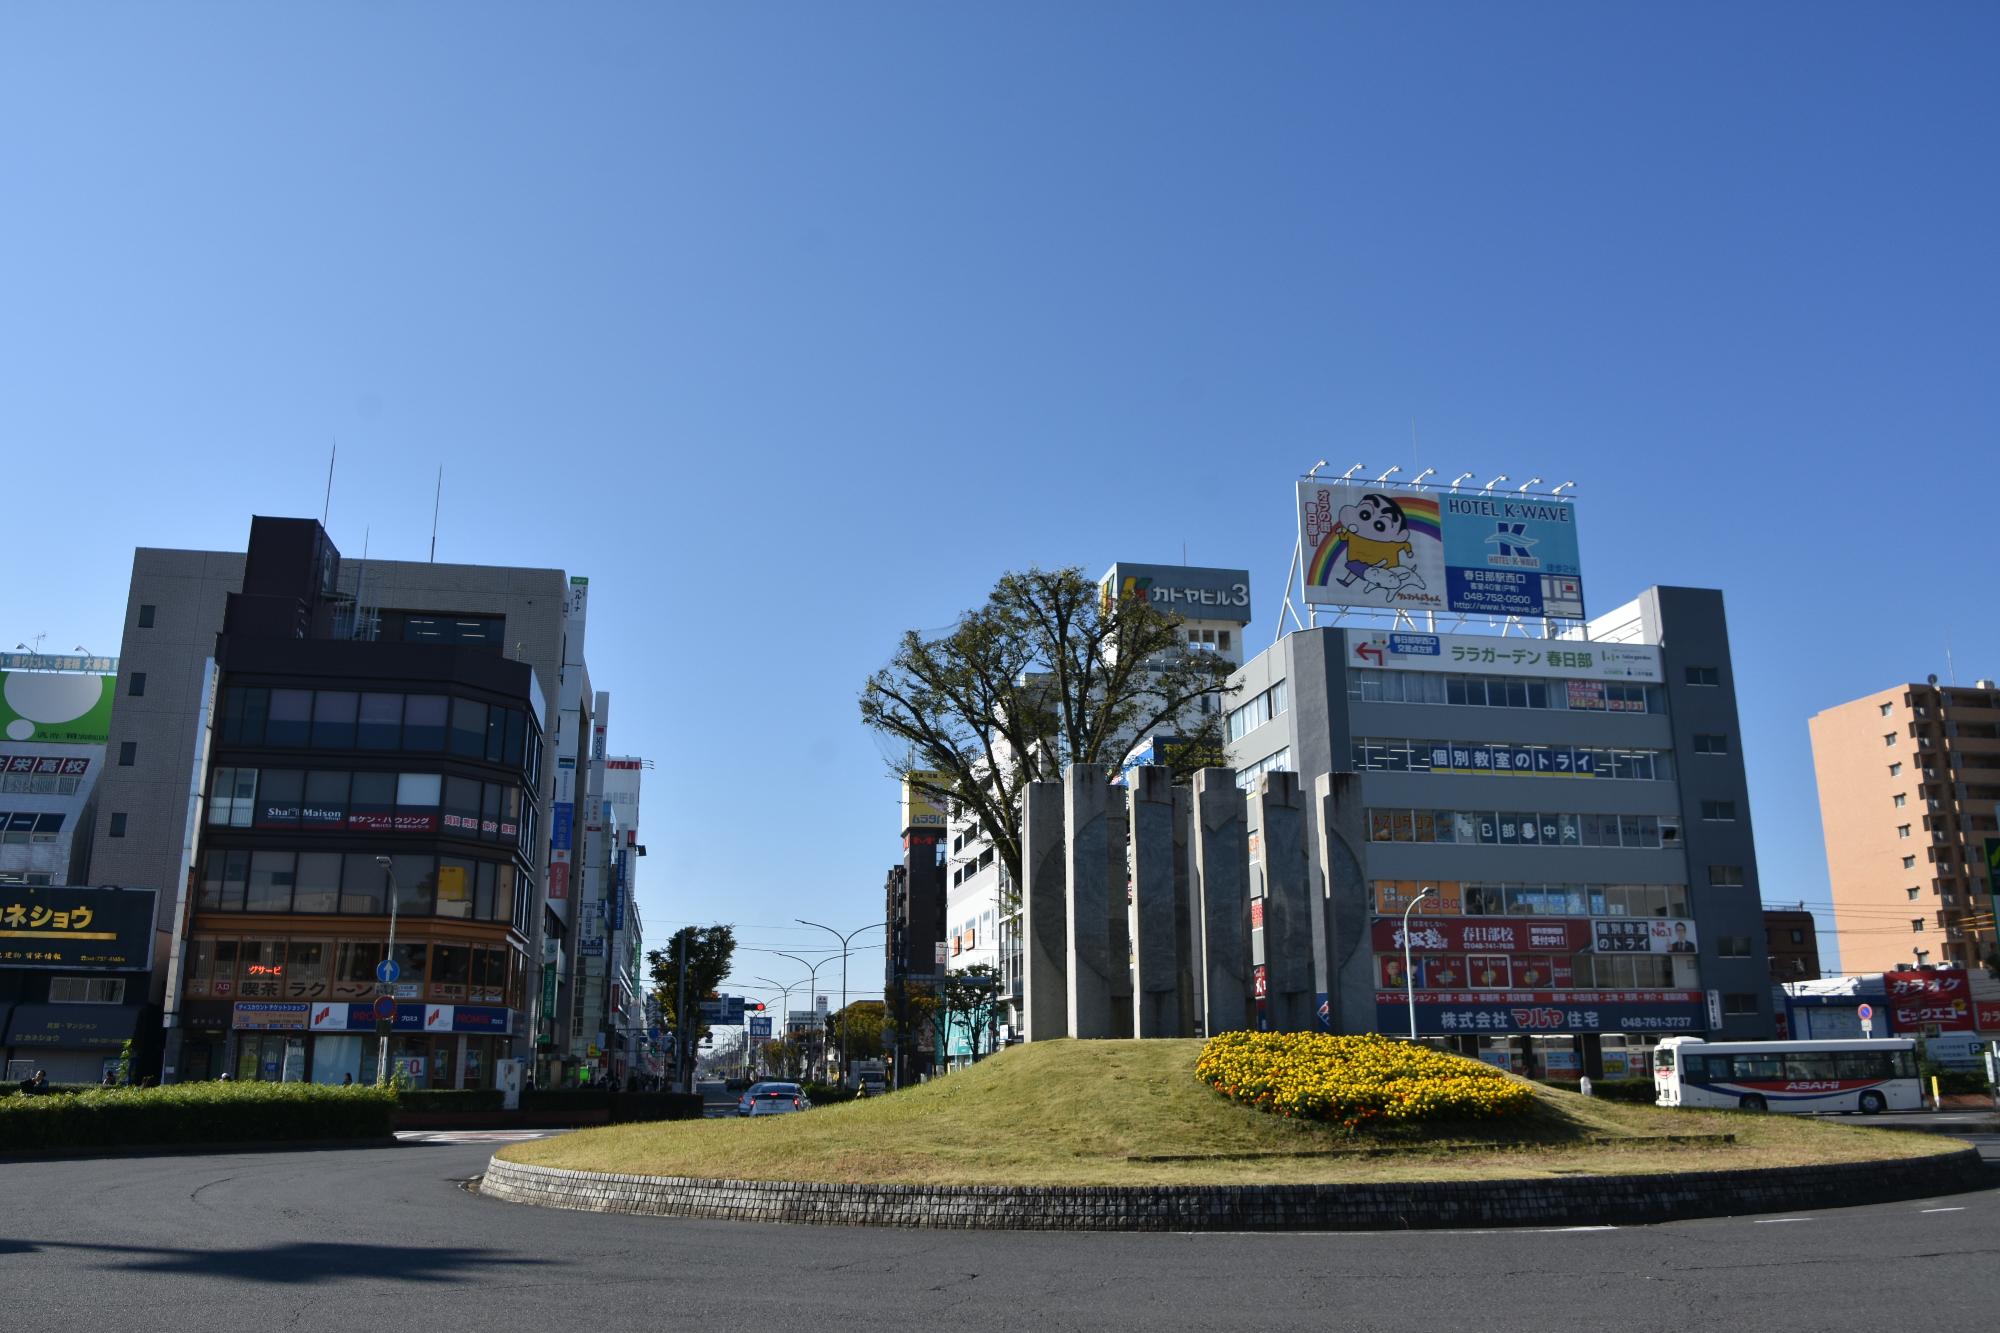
436, 501
327, 508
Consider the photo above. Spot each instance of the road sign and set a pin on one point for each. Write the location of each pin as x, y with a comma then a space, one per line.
654, 1032
1260, 982
385, 1008
387, 971
760, 1025
1866, 1012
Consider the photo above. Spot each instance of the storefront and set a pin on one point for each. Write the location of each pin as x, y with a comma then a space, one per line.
336, 1042
72, 1043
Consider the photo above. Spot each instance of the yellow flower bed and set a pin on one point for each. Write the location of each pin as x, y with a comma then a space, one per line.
1358, 1082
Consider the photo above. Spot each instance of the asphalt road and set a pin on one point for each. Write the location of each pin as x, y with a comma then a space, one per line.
387, 1237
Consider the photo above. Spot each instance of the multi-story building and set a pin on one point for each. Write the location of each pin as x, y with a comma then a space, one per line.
323, 753
1909, 786
1793, 939
55, 721
625, 1011
982, 909
1576, 807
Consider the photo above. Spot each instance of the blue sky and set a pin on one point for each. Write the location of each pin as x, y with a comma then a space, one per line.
791, 326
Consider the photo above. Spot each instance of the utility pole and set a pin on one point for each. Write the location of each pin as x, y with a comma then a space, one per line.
681, 1072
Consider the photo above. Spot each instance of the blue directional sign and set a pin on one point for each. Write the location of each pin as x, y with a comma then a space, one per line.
654, 1032
387, 971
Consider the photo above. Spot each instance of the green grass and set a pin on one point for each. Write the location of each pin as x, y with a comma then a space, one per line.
1131, 1113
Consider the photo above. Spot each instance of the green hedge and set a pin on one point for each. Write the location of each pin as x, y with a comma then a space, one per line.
196, 1113
630, 1106
450, 1099
828, 1094
566, 1099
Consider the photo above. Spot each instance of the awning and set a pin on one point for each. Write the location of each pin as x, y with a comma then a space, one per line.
71, 1026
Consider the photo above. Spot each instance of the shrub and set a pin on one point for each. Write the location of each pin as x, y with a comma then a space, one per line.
1638, 1090
828, 1094
196, 1113
629, 1106
1356, 1082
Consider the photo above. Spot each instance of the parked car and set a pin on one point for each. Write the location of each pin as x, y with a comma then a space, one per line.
775, 1099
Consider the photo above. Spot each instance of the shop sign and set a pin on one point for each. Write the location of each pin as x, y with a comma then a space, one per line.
1648, 935
1988, 1017
1477, 934
61, 1026
269, 1016
76, 928
1919, 1000
437, 1017
1455, 1013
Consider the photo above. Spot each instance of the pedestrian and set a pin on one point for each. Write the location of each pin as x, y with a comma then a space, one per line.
347, 1080
41, 1083
109, 1080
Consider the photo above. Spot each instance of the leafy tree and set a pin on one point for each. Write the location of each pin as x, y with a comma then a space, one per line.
1052, 670
784, 1058
967, 1001
857, 1030
705, 951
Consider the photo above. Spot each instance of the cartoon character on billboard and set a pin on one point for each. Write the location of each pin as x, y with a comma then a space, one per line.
1377, 535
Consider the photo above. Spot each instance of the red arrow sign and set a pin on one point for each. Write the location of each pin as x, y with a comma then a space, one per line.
1364, 651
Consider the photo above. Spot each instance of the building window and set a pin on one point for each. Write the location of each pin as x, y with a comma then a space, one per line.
1271, 703
1909, 863
136, 687
145, 616
1739, 1004
1733, 946
1725, 877
128, 753
1798, 937
86, 990
1718, 811
117, 823
1703, 675
1896, 769
1888, 738
1887, 709
1901, 800
1710, 743
1902, 830
1911, 893
1917, 926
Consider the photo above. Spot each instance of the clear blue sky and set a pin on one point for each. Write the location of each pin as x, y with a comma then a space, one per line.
791, 326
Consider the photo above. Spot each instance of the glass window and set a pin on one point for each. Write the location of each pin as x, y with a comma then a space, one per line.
416, 884
517, 723
451, 964
325, 805
319, 883
410, 958
232, 797
270, 888
456, 886
496, 734
381, 722
243, 713
280, 792
468, 728
333, 720
355, 960
305, 967
418, 791
461, 806
290, 721
510, 897
224, 875
371, 806
482, 903
364, 886
423, 722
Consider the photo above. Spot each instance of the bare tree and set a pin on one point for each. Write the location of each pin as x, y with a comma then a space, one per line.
1053, 670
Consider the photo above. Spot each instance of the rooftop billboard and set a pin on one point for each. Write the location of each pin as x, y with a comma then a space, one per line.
76, 928
56, 707
1189, 591
1398, 549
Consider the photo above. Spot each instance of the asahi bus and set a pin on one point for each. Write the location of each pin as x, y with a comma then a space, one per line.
1798, 1076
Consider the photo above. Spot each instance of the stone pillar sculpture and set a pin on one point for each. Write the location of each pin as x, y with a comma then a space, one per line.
1279, 875
1149, 806
1346, 902
1087, 900
1219, 869
1044, 914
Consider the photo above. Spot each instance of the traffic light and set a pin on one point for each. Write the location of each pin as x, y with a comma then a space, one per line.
755, 1006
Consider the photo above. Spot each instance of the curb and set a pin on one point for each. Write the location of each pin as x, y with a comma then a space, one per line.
1409, 1205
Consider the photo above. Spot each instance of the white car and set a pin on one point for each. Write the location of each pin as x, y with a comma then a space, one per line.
776, 1099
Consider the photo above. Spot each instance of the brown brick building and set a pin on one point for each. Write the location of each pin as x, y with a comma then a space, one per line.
1792, 938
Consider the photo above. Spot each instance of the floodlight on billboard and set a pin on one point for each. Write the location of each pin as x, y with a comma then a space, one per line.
1398, 549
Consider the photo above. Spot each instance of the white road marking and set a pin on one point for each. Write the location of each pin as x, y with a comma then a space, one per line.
1766, 1221
1944, 1210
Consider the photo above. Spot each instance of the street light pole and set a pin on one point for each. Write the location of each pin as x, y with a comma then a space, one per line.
812, 985
784, 995
382, 1040
845, 941
1410, 977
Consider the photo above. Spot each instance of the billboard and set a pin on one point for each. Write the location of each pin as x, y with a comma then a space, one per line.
76, 928
1582, 662
1447, 1013
1922, 1000
1393, 548
56, 708
1188, 591
923, 807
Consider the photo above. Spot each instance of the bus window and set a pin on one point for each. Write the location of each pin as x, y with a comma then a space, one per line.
1663, 1060
1694, 1068
1906, 1064
1863, 1064
1815, 1065
1756, 1066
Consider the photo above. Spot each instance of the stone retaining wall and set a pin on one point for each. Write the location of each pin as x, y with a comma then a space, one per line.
1566, 1201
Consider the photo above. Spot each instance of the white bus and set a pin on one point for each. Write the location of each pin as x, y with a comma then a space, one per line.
1798, 1076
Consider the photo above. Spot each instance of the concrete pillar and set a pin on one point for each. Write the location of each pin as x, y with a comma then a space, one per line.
1220, 889
1149, 806
1589, 1047
1278, 872
1347, 905
1187, 923
1087, 899
1044, 914
1118, 902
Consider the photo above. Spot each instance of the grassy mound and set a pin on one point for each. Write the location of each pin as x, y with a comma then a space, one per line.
1133, 1113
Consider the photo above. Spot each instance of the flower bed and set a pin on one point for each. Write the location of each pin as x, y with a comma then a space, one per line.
1358, 1082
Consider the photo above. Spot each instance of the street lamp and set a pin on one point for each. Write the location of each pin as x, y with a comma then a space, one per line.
784, 998
1410, 977
382, 1039
845, 940
812, 986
